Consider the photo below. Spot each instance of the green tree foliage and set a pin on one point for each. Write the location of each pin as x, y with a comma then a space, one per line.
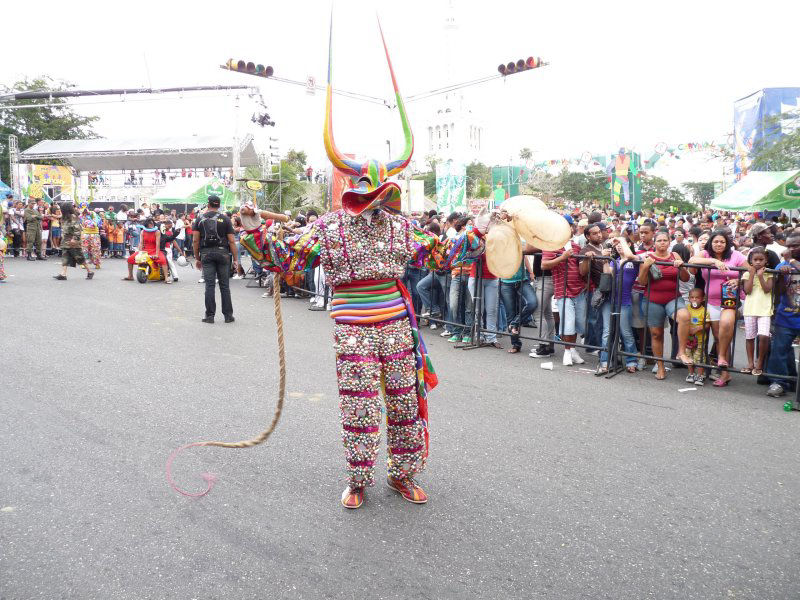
32, 125
479, 180
702, 192
780, 148
656, 187
582, 187
297, 158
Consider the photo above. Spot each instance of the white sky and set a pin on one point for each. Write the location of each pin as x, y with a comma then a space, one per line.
631, 74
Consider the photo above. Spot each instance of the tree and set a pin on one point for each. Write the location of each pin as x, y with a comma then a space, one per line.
32, 125
582, 187
479, 180
526, 154
701, 191
656, 187
297, 158
779, 148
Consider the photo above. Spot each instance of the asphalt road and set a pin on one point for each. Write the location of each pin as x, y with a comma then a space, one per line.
543, 484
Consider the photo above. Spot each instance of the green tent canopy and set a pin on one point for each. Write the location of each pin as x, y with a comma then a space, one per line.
762, 190
195, 190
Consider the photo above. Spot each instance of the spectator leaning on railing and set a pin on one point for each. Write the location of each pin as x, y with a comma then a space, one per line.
787, 320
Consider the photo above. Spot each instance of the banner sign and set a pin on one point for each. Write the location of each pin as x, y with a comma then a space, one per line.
451, 187
751, 114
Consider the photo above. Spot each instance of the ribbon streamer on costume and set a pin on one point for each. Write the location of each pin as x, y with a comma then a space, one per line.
210, 478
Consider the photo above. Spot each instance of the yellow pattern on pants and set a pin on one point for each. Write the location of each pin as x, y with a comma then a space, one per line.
370, 358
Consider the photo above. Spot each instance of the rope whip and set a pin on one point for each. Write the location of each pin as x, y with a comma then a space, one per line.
210, 478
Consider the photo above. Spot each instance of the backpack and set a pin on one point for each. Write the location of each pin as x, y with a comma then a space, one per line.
208, 231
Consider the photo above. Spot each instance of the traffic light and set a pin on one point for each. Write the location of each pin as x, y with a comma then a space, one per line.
250, 68
533, 62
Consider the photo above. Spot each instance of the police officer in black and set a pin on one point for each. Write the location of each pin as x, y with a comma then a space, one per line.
213, 244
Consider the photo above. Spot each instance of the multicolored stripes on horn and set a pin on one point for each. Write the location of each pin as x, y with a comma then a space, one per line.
339, 160
395, 166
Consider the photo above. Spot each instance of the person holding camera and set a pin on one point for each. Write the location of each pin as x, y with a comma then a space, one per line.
213, 244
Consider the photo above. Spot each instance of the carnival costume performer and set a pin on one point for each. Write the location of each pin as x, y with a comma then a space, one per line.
252, 239
71, 243
364, 250
90, 235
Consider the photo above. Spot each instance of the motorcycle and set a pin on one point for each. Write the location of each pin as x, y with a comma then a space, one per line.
147, 268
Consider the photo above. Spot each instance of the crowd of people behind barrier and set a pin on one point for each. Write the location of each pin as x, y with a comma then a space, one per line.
623, 284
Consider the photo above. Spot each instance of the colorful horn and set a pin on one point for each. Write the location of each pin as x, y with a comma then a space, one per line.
339, 160
395, 166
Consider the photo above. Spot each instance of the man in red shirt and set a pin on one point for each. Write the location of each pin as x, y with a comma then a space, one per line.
569, 291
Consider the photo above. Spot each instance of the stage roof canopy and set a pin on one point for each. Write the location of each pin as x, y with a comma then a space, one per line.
150, 153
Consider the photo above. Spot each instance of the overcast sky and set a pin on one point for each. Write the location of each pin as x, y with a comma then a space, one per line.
632, 74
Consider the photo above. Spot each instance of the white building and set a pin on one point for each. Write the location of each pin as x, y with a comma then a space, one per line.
453, 131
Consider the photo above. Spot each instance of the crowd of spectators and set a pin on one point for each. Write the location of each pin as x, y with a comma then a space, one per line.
635, 281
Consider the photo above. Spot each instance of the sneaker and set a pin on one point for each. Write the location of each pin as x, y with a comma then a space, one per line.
352, 498
666, 368
201, 280
60, 277
602, 369
594, 352
567, 360
455, 338
466, 340
690, 378
408, 490
89, 275
775, 390
445, 333
434, 326
542, 351
229, 319
640, 364
699, 380
237, 276
207, 320
576, 358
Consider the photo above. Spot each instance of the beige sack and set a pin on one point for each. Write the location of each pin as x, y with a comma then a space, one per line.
503, 250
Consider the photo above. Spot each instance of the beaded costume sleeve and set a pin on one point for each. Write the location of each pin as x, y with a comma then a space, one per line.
431, 253
295, 253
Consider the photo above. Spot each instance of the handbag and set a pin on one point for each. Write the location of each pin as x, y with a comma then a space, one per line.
605, 283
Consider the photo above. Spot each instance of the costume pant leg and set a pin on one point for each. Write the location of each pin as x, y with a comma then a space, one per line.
358, 370
405, 433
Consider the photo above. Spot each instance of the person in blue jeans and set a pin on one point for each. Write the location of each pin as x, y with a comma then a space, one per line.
787, 321
519, 301
626, 268
490, 299
460, 304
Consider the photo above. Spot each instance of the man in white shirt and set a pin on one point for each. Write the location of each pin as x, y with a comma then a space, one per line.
122, 215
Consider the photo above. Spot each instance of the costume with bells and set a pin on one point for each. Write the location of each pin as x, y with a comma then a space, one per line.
364, 249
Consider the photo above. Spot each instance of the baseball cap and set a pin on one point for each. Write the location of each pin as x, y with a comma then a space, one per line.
214, 201
569, 219
757, 229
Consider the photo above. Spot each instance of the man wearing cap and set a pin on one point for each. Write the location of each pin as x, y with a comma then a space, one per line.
213, 244
761, 234
33, 230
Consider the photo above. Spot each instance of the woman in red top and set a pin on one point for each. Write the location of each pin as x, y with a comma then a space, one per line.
149, 242
662, 298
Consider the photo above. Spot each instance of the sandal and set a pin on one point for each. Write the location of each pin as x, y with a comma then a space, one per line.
721, 382
514, 330
127, 279
747, 370
632, 369
757, 372
513, 350
661, 377
722, 363
497, 345
685, 359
